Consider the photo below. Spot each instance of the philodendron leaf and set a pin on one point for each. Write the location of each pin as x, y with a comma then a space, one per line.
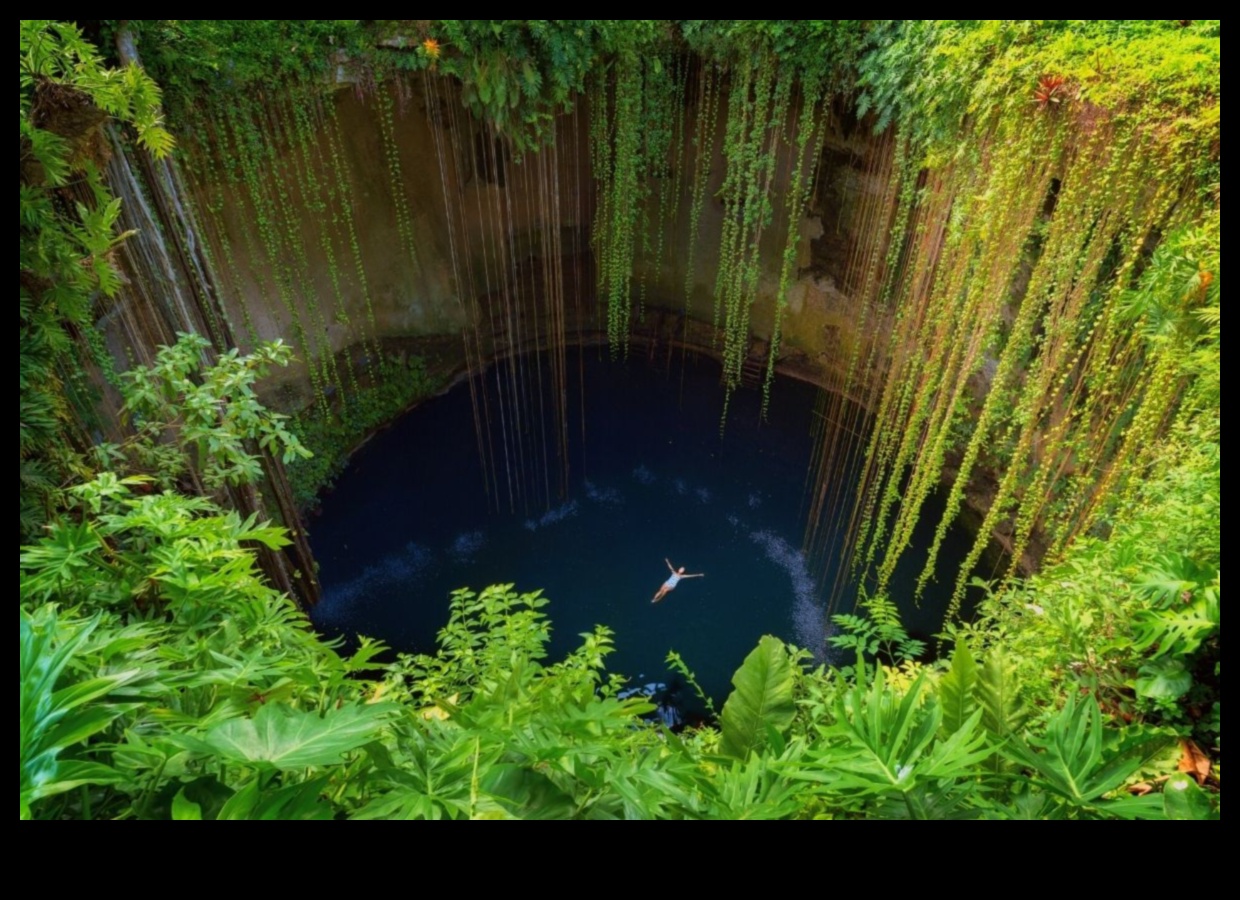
287, 738
1083, 762
762, 698
1164, 679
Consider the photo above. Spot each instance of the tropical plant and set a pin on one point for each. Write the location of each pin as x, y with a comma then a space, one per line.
1039, 284
1082, 763
59, 711
208, 416
877, 633
885, 747
66, 237
760, 709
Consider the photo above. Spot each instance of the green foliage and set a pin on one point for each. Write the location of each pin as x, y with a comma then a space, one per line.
157, 598
1183, 799
67, 233
1073, 169
1134, 618
818, 49
677, 664
284, 738
1176, 305
760, 708
929, 75
501, 734
59, 712
395, 386
883, 747
1082, 763
162, 677
185, 553
998, 692
517, 73
204, 419
637, 105
232, 709
955, 689
60, 67
880, 632
182, 622
229, 56
1163, 679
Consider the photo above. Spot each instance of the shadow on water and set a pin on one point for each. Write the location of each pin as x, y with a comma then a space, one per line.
410, 521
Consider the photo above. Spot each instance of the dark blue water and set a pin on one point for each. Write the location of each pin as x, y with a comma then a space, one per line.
410, 520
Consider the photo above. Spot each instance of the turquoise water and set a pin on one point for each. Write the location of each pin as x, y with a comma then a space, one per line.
411, 519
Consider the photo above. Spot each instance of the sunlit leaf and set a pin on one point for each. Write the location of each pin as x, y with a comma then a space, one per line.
1164, 679
287, 738
1183, 799
762, 697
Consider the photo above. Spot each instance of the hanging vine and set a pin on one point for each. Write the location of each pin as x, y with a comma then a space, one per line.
1012, 208
396, 179
1025, 243
259, 172
811, 131
617, 143
345, 194
663, 105
757, 115
320, 197
705, 126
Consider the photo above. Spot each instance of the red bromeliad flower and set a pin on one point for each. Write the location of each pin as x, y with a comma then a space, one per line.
431, 46
1050, 89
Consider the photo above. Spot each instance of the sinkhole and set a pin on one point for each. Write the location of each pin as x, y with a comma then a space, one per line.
425, 508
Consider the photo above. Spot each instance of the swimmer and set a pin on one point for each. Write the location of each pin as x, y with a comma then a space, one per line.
676, 576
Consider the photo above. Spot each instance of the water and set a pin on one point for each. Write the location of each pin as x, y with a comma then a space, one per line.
409, 521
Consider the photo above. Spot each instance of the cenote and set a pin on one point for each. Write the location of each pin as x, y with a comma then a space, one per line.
326, 324
650, 477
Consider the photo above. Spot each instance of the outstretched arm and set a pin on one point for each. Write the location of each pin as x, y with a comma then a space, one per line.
669, 565
696, 575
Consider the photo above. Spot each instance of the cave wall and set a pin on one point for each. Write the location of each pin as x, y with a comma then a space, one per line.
454, 229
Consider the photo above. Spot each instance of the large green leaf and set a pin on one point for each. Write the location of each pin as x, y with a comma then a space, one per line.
882, 745
202, 798
1174, 576
762, 699
1163, 679
1182, 799
286, 738
526, 794
51, 719
1082, 762
1003, 711
754, 789
1179, 630
185, 809
295, 801
435, 774
956, 690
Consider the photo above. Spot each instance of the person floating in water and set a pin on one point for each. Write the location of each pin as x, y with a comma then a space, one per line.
672, 581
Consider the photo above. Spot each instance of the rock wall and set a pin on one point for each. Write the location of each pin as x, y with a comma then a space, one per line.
452, 232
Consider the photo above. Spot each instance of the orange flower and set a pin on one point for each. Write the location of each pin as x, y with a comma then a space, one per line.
431, 46
1050, 89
